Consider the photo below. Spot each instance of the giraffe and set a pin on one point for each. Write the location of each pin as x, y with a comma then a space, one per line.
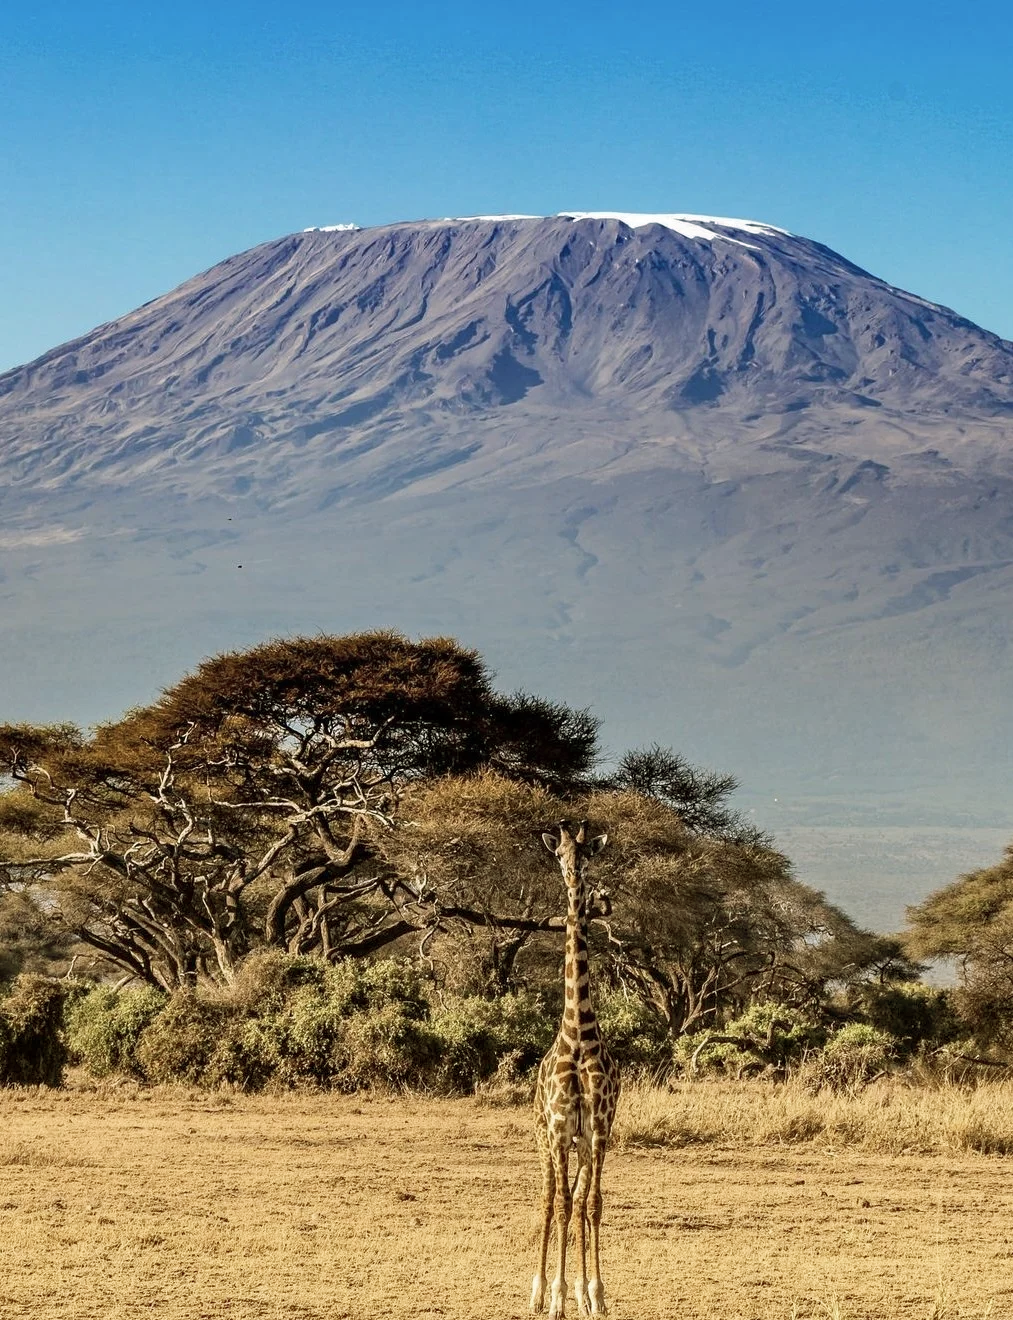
575, 1100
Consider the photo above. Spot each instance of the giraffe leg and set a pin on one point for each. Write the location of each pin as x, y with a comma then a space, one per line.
595, 1287
564, 1205
580, 1210
548, 1186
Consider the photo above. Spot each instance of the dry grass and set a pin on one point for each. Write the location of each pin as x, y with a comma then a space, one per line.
888, 1118
117, 1203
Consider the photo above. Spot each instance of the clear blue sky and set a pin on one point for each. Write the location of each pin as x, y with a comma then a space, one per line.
141, 143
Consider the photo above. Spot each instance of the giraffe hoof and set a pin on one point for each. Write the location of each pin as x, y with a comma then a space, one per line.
596, 1297
537, 1295
580, 1296
557, 1307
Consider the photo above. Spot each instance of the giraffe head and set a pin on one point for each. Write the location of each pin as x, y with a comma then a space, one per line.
572, 850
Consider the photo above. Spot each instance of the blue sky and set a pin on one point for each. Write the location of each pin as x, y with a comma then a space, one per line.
140, 143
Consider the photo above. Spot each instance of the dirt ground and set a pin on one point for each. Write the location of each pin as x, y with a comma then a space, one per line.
119, 1204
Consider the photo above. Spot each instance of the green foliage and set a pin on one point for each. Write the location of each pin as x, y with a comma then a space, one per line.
779, 1041
291, 1020
191, 1040
32, 1050
984, 1003
387, 1047
699, 796
913, 1015
366, 987
972, 920
851, 1058
637, 1037
104, 1026
768, 1037
267, 980
355, 1024
478, 1037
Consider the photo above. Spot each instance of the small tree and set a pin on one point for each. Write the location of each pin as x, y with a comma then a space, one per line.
699, 796
971, 921
704, 925
470, 848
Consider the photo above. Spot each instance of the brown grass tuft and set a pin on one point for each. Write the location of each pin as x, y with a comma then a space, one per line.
887, 1118
31, 1155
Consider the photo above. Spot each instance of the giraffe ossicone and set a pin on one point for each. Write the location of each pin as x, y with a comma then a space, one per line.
575, 1101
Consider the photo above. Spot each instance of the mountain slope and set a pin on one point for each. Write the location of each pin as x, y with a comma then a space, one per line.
708, 477
326, 344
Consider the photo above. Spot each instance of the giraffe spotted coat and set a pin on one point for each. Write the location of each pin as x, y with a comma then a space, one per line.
575, 1102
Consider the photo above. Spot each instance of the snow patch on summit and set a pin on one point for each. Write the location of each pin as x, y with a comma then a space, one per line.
689, 226
698, 227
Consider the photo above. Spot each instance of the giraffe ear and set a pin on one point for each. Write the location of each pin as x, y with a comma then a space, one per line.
597, 844
551, 842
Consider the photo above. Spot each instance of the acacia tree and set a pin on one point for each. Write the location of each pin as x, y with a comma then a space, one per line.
971, 922
134, 851
697, 926
470, 847
244, 806
699, 796
705, 924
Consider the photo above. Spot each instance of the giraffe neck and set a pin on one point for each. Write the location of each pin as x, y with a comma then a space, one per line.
578, 1016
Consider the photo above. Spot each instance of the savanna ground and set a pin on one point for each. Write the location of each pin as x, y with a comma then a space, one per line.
722, 1200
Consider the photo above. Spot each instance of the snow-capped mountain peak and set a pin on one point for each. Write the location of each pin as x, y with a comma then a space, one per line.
689, 226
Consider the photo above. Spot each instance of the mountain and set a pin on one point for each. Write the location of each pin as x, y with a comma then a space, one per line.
371, 355
707, 476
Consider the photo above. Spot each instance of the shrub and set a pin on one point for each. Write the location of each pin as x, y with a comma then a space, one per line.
358, 986
247, 1055
293, 1021
267, 979
851, 1058
385, 1048
915, 1015
104, 1025
766, 1038
310, 1040
636, 1036
180, 1043
480, 1037
32, 1049
208, 1039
